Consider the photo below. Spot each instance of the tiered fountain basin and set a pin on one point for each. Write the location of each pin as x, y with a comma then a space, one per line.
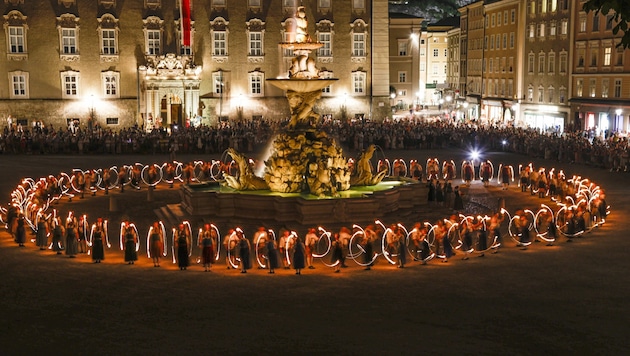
358, 204
301, 85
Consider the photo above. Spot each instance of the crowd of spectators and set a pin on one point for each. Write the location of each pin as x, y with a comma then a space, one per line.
611, 152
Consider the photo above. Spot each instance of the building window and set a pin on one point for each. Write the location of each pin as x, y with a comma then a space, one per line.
541, 63
110, 82
563, 62
219, 35
152, 4
15, 28
108, 33
512, 16
530, 63
492, 20
402, 47
153, 27
70, 84
580, 57
153, 42
552, 4
490, 65
550, 94
423, 66
436, 52
593, 87
358, 4
323, 5
505, 17
505, 41
607, 55
218, 83
68, 36
564, 27
402, 77
255, 44
185, 50
541, 30
435, 68
579, 87
551, 63
325, 38
511, 40
541, 94
499, 19
532, 31
111, 121
69, 41
253, 4
358, 45
358, 83
324, 75
594, 55
530, 93
617, 88
16, 39
256, 80
620, 52
605, 85
108, 42
552, 28
219, 43
563, 95
582, 24
19, 85
485, 44
563, 4
596, 23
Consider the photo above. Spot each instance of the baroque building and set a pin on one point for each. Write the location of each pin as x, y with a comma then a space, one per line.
600, 81
546, 57
158, 63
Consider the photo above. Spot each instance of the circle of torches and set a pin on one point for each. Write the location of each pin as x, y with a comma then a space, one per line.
32, 198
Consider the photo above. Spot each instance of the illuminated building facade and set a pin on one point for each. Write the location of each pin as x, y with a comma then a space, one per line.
404, 56
600, 81
120, 63
546, 65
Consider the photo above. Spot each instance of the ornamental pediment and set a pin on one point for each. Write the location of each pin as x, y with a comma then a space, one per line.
170, 65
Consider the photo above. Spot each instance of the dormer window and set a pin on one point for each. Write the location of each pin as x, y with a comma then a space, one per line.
15, 28
68, 27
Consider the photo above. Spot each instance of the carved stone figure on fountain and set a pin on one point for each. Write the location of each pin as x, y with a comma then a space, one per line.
301, 22
246, 179
301, 104
363, 170
303, 66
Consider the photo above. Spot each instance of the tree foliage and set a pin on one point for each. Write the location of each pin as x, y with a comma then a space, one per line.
430, 10
619, 9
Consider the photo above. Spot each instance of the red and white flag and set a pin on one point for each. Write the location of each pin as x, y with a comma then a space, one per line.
184, 17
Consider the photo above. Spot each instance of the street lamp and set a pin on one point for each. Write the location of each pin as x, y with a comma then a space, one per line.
91, 108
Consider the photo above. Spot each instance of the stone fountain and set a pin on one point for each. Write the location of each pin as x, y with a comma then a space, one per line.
304, 159
307, 179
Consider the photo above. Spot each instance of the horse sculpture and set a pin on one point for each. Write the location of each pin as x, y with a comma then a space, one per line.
246, 179
363, 172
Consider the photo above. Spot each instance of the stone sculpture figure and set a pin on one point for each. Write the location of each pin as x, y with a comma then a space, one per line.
363, 171
246, 179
